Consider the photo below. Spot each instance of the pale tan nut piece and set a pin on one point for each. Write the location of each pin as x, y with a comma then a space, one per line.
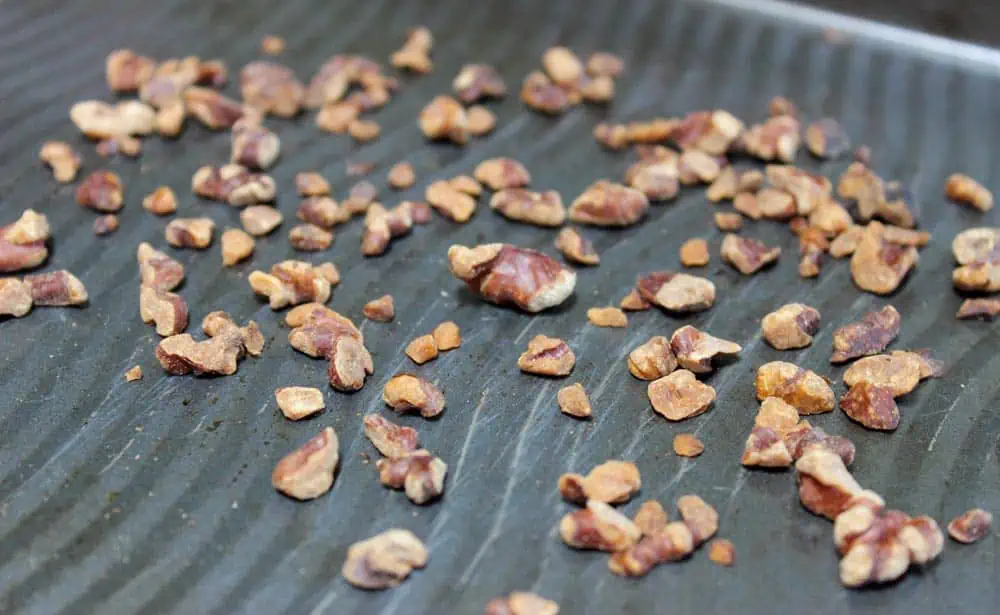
747, 255
271, 88
385, 560
725, 186
695, 349
444, 118
324, 324
322, 211
16, 256
219, 356
233, 184
694, 253
99, 120
869, 336
422, 349
64, 162
390, 439
409, 393
160, 202
502, 173
468, 185
651, 518
633, 302
168, 311
402, 176
272, 45
508, 275
380, 310
157, 269
126, 71
985, 309
677, 292
825, 485
658, 181
806, 390
364, 130
541, 94
299, 402
653, 359
699, 516
56, 289
475, 82
336, 117
673, 543
765, 448
190, 232
967, 191
573, 401
133, 374
722, 552
414, 55
679, 395
310, 238
905, 236
420, 213
101, 191
547, 356
607, 317
447, 336
727, 222
712, 132
776, 139
576, 248
696, 167
29, 229
219, 324
879, 266
450, 202
971, 526
290, 283
539, 208
871, 405
978, 277
688, 445
237, 246
827, 140
791, 326
831, 218
260, 220
899, 371
522, 603
329, 272
604, 64
420, 474
600, 89
170, 119
481, 121
562, 66
15, 297
254, 146
311, 183
746, 204
975, 245
349, 364
847, 242
809, 191
598, 527
213, 110
119, 145
606, 203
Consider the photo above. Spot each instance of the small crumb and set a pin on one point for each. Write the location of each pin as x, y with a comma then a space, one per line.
402, 176
272, 45
607, 317
447, 336
133, 374
573, 400
694, 253
359, 168
364, 130
481, 121
722, 552
422, 349
728, 221
688, 445
380, 310
105, 225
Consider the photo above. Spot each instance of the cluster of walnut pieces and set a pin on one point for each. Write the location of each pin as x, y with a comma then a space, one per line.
321, 333
977, 252
219, 355
567, 81
404, 465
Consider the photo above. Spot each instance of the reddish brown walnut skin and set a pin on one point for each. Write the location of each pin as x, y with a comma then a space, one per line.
508, 275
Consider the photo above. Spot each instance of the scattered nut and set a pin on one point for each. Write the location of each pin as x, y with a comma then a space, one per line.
475, 82
133, 374
825, 486
101, 191
160, 202
64, 162
869, 336
699, 516
260, 220
15, 297
502, 173
847, 242
56, 289
879, 266
444, 118
573, 401
765, 448
419, 473
653, 359
633, 302
600, 527
447, 336
695, 349
105, 225
272, 45
364, 130
450, 202
422, 349
827, 140
748, 256
380, 310
384, 560
233, 184
311, 183
349, 363
727, 222
985, 309
290, 283
213, 110
688, 445
167, 310
790, 326
677, 292
481, 120
402, 176
538, 208
657, 179
871, 405
390, 439
804, 389
608, 204
322, 211
299, 402
219, 355
468, 185
126, 70
237, 246
310, 238
576, 248
776, 139
271, 88
541, 94
694, 253
506, 274
607, 317
679, 395
673, 543
99, 120
157, 269
746, 204
521, 603
971, 526
547, 356
976, 245
190, 232
721, 552
414, 55
963, 189
254, 146
900, 372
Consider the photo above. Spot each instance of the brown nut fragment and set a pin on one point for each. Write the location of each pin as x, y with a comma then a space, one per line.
213, 110
746, 203
481, 120
606, 203
99, 120
826, 488
218, 356
101, 191
254, 146
160, 202
380, 310
133, 374
290, 283
695, 349
402, 176
307, 472
322, 211
779, 106
747, 255
422, 349
598, 527
653, 359
776, 139
170, 118
56, 289
444, 118
420, 212
809, 191
521, 603
502, 173
971, 526
871, 405
310, 238
573, 401
22, 243
694, 253
976, 245
233, 184
157, 269
64, 162
119, 145
900, 372
390, 439
447, 336
450, 202
190, 232
547, 356
311, 183
271, 88
384, 560
765, 448
272, 45
677, 292
847, 242
827, 139
985, 309
105, 225
15, 297
336, 118
562, 66
126, 70
657, 180
722, 552
576, 248
967, 191
466, 184
696, 167
651, 519
806, 390
978, 277
831, 218
299, 402
260, 220
420, 474
879, 266
673, 543
541, 94
869, 336
790, 326
725, 186
699, 516
349, 363
727, 222
679, 395
688, 445
330, 272
600, 89
237, 246
712, 132
538, 208
167, 310
604, 64
475, 82
633, 302
607, 317
508, 275
414, 55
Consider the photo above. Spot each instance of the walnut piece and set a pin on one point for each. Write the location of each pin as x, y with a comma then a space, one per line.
985, 309
971, 526
475, 82
869, 336
695, 349
609, 204
299, 402
402, 176
722, 552
271, 88
190, 232
573, 401
521, 603
967, 191
879, 266
576, 248
612, 482
871, 406
64, 162
679, 395
677, 292
167, 310
653, 359
444, 118
539, 208
826, 487
790, 326
450, 202
380, 310
502, 173
607, 317
747, 255
422, 349
157, 269
384, 560
309, 238
390, 439
506, 274
15, 297
694, 253
408, 393
633, 302
217, 356
237, 246
233, 184
688, 445
290, 283
804, 389
447, 336
900, 372
101, 191
599, 527
254, 146
420, 474
547, 356
827, 139
160, 202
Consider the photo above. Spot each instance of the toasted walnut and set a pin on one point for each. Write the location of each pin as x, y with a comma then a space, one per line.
712, 132
604, 64
290, 283
677, 292
271, 88
538, 208
825, 486
879, 266
384, 560
336, 118
576, 248
847, 242
380, 310
16, 253
212, 109
119, 145
830, 218
29, 229
651, 518
790, 326
505, 274
420, 474
99, 120
105, 225
64, 162
869, 336
608, 204
611, 136
299, 402
315, 327
466, 184
414, 55
237, 246
746, 203
722, 552
422, 349
233, 184
688, 445
349, 364
776, 139
696, 167
481, 120
311, 183
976, 245
254, 146
364, 130
419, 212
573, 400
889, 201
272, 45
541, 94
981, 277
157, 269
765, 448
547, 356
219, 355
656, 180
402, 175
809, 191
694, 253
699, 516
900, 372
444, 118
727, 222
167, 310
985, 309
748, 255
190, 232
447, 336
679, 395
322, 211
607, 317
101, 191
390, 439
502, 173
871, 405
521, 603
695, 349
806, 390
633, 302
126, 70
170, 118
971, 526
477, 81
673, 543
260, 220
160, 202
15, 297
827, 139
562, 66
450, 202
310, 238
963, 189
653, 359
133, 374
725, 186
599, 527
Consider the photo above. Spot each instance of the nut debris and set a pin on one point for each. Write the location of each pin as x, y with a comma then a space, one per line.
15, 297
695, 349
445, 119
447, 336
157, 269
651, 518
808, 190
330, 272
299, 402
237, 246
271, 88
505, 274
133, 374
576, 248
420, 474
875, 198
272, 45
573, 400
190, 232
722, 552
900, 372
521, 603
697, 167
160, 202
677, 292
310, 238
791, 326
725, 186
126, 70
607, 317
167, 310
254, 146
804, 389
64, 162
673, 543
322, 211
213, 110
260, 220
694, 253
380, 310
606, 203
120, 145
712, 132
727, 221
985, 309
826, 488
776, 139
290, 283
364, 130
475, 82
747, 255
538, 208
827, 140
830, 218
311, 183
633, 302
653, 359
233, 184
105, 225
879, 266
22, 243
218, 356
450, 202
101, 191
547, 356
323, 333
56, 289
541, 94
384, 560
869, 336
422, 349
976, 245
414, 55
390, 439
481, 120
971, 526
408, 393
598, 527
468, 185
699, 516
99, 120
502, 173
847, 242
657, 179
967, 191
688, 445
402, 176
679, 395
871, 405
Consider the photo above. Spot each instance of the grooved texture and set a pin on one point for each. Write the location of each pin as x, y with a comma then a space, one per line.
154, 497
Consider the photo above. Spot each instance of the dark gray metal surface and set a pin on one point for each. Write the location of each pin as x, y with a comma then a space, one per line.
154, 497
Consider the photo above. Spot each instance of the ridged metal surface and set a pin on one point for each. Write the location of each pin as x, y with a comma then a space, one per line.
154, 497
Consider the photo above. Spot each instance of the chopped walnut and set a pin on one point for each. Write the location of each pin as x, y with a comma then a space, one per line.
402, 176
506, 274
420, 474
466, 184
963, 189
900, 372
170, 118
679, 395
502, 173
633, 302
542, 94
475, 82
599, 527
315, 326
299, 402
827, 139
976, 245
380, 310
985, 309
272, 45
451, 202
562, 66
747, 255
390, 439
746, 204
322, 211
765, 448
384, 560
830, 218
688, 445
776, 139
64, 162
869, 336
699, 516
576, 248
271, 88
254, 146
290, 283
311, 183
538, 208
677, 292
547, 356
879, 266
696, 167
826, 487
712, 132
521, 603
447, 336
790, 326
607, 317
653, 359
349, 362
126, 70
160, 202
694, 253
673, 543
233, 184
873, 197
727, 222
167, 310
725, 186
847, 242
804, 389
190, 232
105, 225
971, 526
721, 552
22, 243
364, 130
905, 236
422, 349
481, 120
871, 405
219, 355
651, 518
213, 110
608, 204
658, 180
99, 120
237, 246
15, 297
336, 118
414, 55
573, 401
808, 190
695, 349
310, 238
157, 269
444, 118
133, 374
101, 191
260, 220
